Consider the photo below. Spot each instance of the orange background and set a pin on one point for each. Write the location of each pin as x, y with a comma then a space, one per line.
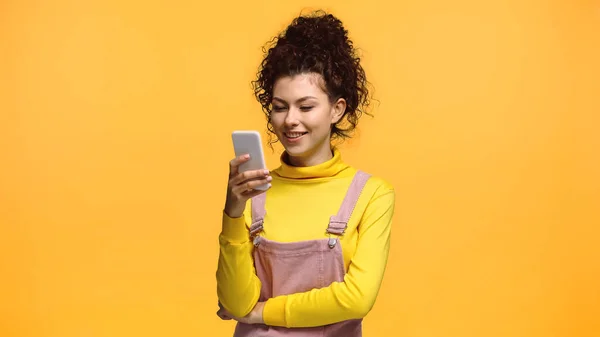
115, 121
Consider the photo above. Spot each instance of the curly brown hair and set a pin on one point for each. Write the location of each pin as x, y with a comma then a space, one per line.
316, 43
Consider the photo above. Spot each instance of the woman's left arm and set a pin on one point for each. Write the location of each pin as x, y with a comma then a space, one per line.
355, 296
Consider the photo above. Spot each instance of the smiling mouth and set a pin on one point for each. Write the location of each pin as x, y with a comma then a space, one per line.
294, 135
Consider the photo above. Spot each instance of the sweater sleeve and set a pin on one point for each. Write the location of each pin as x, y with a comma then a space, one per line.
238, 287
355, 296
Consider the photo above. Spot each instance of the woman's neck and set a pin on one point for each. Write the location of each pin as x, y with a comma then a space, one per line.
329, 168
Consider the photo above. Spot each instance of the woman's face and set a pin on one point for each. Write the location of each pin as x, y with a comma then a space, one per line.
302, 116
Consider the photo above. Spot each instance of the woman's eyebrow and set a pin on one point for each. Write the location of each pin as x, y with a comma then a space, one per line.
300, 100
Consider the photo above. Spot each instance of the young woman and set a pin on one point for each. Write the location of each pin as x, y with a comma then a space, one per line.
306, 257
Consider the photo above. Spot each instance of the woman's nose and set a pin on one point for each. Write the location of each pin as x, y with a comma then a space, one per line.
291, 117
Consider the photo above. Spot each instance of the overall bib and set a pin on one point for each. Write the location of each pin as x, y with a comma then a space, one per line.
293, 267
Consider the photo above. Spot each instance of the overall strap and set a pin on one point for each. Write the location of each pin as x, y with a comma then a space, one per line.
258, 213
338, 222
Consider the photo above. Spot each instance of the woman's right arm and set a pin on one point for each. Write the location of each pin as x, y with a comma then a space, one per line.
238, 287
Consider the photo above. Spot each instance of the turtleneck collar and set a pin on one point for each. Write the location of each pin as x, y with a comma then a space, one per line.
330, 168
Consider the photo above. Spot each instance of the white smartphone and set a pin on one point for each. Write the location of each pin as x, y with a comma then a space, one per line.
249, 142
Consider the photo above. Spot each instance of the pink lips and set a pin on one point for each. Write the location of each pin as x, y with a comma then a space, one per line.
294, 139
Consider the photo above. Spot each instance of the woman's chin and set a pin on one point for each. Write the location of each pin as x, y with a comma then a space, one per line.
294, 152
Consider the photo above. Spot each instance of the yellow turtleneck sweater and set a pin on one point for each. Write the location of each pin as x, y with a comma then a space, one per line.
299, 205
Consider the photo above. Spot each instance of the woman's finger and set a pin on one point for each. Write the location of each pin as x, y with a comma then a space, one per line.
236, 162
253, 193
249, 175
249, 186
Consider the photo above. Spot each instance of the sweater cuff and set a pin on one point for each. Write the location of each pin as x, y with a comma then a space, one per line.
274, 311
234, 229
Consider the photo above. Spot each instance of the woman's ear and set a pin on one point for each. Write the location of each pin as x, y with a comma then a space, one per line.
337, 110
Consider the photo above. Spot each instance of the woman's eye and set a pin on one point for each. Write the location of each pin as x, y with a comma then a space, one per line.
278, 108
306, 108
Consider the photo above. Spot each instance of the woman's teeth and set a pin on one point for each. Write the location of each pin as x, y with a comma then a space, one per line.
294, 134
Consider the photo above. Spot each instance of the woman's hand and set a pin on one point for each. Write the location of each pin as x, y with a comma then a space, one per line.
254, 317
224, 314
241, 186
